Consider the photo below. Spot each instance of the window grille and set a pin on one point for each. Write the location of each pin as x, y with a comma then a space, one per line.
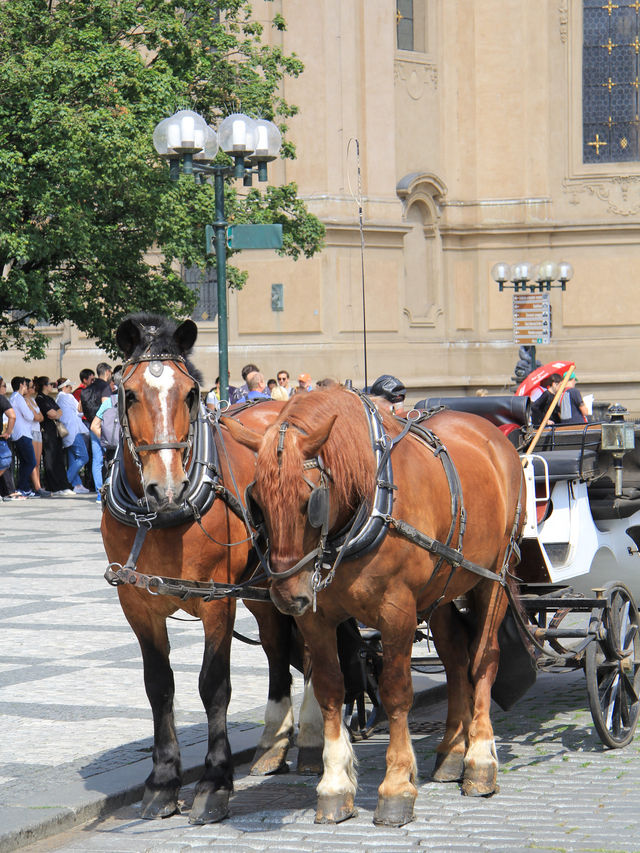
205, 285
610, 81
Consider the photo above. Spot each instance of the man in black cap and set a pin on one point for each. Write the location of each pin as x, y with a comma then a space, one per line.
389, 393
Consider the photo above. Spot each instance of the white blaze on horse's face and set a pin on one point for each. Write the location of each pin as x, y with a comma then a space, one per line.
162, 384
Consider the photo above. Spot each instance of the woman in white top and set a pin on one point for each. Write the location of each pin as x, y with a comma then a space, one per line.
36, 438
77, 453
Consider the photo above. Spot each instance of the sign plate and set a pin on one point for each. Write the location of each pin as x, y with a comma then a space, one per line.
531, 318
254, 236
209, 238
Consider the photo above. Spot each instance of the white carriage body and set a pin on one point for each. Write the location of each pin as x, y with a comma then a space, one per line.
575, 548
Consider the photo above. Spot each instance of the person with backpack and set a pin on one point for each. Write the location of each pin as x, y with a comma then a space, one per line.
91, 398
106, 425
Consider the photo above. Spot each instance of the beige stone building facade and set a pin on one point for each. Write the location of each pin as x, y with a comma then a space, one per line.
459, 125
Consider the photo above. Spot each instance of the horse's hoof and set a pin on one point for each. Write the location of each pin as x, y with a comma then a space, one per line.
209, 807
449, 767
394, 811
480, 782
270, 760
335, 808
162, 802
310, 761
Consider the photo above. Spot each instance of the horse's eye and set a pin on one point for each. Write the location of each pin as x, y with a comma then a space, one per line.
190, 398
130, 397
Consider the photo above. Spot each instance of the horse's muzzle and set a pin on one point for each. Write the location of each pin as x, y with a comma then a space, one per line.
162, 499
289, 605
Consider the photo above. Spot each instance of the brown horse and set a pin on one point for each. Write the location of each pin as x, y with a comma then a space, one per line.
316, 466
159, 405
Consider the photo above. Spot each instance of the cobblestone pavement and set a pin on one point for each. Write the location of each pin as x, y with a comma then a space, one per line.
76, 727
559, 790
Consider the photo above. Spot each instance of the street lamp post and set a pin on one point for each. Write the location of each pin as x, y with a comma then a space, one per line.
185, 139
537, 279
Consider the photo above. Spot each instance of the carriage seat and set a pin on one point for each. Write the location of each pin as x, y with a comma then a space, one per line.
566, 465
500, 410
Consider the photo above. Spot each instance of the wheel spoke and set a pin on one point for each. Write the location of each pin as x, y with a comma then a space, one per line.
629, 689
623, 623
609, 700
624, 705
630, 638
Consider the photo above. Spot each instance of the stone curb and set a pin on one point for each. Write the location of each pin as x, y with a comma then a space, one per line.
115, 788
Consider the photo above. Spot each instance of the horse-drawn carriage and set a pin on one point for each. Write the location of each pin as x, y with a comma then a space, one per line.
349, 512
580, 553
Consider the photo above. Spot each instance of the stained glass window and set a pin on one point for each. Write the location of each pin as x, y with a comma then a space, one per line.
610, 81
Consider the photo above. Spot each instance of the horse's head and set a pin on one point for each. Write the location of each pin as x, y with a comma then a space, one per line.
304, 487
159, 398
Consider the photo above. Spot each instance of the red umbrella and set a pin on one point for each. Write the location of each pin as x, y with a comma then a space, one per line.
533, 380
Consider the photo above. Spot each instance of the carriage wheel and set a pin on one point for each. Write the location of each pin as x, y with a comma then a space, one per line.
612, 668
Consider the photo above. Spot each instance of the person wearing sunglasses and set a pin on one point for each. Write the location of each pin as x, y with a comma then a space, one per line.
283, 381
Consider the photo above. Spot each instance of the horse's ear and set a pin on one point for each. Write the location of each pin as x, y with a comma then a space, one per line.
242, 435
310, 444
185, 336
128, 337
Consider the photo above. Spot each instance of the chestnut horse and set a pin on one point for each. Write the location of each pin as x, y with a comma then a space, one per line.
159, 404
316, 466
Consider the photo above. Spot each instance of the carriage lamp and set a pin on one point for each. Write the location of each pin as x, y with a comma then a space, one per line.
618, 437
191, 145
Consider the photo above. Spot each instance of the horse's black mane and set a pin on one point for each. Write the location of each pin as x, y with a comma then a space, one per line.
157, 338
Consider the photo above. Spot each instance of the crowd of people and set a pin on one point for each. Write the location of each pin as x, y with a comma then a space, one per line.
53, 429
255, 387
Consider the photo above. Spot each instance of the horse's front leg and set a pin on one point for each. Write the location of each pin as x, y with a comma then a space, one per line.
337, 787
163, 784
398, 792
275, 635
481, 760
211, 801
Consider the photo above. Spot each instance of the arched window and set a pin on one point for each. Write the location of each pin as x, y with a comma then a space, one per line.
610, 81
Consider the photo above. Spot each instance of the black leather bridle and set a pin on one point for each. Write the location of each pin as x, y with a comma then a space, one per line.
156, 365
318, 509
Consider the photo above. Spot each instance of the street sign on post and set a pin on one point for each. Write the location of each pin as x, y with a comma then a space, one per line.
531, 318
254, 236
210, 240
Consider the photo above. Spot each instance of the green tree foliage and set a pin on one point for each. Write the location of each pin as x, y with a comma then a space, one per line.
84, 199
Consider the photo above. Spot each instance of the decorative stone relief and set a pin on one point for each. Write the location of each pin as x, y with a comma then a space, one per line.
563, 13
427, 321
417, 76
620, 193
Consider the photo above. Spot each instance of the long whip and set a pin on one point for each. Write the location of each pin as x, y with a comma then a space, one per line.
357, 197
